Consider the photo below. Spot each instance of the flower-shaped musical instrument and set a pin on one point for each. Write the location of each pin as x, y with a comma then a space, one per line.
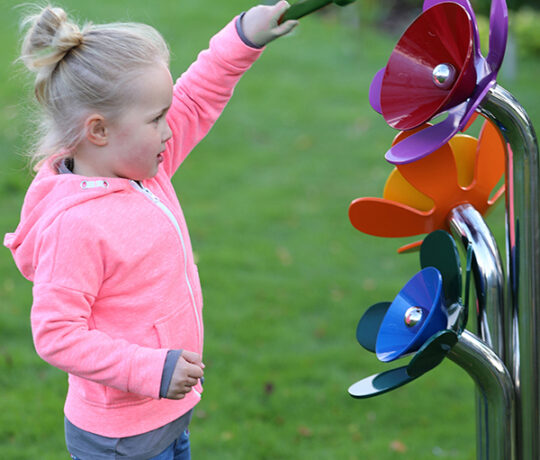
437, 67
426, 318
419, 196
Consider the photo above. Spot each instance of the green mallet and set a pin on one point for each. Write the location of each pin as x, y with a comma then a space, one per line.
305, 7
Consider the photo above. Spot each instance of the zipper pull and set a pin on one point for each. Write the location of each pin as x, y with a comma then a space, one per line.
150, 194
146, 191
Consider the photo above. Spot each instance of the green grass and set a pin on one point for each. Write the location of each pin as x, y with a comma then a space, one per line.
285, 275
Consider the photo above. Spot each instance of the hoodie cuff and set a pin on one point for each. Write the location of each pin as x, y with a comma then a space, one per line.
168, 370
242, 35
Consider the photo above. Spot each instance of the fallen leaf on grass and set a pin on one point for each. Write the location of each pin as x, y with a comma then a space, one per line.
284, 256
227, 436
398, 446
304, 431
268, 388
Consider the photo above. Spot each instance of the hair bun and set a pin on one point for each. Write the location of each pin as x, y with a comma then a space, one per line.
50, 37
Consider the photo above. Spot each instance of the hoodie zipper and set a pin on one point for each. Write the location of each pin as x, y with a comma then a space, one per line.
171, 217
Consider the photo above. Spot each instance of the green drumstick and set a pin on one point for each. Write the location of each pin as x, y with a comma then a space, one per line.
305, 7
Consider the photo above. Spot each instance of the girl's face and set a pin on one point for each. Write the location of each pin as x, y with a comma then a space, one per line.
137, 140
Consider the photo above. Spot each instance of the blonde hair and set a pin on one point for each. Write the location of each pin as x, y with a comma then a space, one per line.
81, 70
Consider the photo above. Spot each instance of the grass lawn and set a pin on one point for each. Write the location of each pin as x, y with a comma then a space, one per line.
285, 275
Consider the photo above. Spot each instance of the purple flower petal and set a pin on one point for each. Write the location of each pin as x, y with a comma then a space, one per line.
498, 34
428, 140
375, 91
479, 94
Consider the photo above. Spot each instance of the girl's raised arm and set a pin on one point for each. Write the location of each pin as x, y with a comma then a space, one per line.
202, 92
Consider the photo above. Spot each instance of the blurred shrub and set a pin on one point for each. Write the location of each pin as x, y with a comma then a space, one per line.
523, 28
524, 24
376, 10
393, 15
483, 6
396, 15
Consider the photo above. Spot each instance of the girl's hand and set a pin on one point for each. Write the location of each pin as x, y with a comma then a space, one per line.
260, 23
188, 371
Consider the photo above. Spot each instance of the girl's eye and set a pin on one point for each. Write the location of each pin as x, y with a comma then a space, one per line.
161, 116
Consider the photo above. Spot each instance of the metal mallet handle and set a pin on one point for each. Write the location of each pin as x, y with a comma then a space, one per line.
305, 7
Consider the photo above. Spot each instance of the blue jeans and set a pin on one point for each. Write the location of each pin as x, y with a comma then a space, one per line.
178, 450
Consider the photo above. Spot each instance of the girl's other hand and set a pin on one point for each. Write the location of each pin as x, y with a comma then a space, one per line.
260, 23
188, 371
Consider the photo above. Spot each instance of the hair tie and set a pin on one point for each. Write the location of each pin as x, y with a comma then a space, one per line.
77, 39
70, 38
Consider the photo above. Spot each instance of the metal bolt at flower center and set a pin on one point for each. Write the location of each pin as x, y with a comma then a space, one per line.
444, 75
413, 316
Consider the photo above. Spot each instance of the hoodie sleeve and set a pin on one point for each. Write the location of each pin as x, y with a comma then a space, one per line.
202, 92
70, 268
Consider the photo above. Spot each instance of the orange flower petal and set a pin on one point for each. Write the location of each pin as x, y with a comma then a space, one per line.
380, 217
464, 149
399, 190
490, 159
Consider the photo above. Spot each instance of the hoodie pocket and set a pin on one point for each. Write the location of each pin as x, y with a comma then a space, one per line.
178, 330
100, 395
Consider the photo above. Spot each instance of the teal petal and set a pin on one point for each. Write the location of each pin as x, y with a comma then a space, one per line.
380, 383
439, 250
368, 326
431, 354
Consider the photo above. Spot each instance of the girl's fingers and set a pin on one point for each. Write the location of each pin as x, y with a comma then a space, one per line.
286, 27
193, 358
281, 7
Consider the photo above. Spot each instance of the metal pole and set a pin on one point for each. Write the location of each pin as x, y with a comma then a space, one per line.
468, 226
496, 389
523, 263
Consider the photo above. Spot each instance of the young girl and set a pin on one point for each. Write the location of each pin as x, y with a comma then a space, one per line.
117, 300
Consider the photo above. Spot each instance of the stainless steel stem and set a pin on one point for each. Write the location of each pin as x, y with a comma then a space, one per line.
496, 389
521, 317
468, 226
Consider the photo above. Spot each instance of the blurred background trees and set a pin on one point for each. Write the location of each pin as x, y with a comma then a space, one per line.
395, 16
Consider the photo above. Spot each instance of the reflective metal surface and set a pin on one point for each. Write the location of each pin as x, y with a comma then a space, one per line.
444, 75
496, 392
469, 227
521, 315
413, 316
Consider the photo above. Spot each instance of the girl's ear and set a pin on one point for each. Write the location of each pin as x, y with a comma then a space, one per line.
96, 129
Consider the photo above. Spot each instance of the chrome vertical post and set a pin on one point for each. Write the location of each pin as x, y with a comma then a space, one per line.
468, 226
522, 315
495, 423
495, 390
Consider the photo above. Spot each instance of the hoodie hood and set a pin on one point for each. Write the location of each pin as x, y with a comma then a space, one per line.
49, 195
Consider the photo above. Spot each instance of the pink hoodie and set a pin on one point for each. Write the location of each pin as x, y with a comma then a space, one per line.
115, 285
